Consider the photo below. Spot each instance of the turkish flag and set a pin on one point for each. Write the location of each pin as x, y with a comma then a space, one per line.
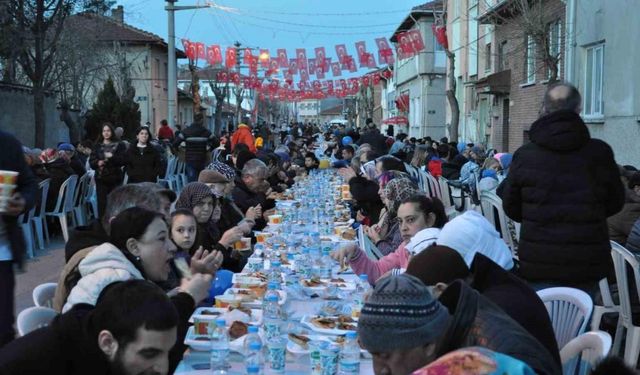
283, 61
301, 55
341, 52
202, 53
186, 44
371, 61
246, 56
384, 51
321, 57
264, 58
416, 40
214, 55
230, 54
319, 72
304, 74
235, 78
273, 67
361, 48
311, 66
441, 35
406, 45
335, 69
293, 66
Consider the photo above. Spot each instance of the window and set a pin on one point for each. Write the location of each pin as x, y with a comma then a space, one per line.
555, 43
530, 60
593, 104
487, 57
502, 63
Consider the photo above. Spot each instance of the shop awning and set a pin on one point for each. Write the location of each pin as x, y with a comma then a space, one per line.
397, 120
496, 83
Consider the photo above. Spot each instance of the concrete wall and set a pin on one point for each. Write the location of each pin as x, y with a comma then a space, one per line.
600, 21
16, 116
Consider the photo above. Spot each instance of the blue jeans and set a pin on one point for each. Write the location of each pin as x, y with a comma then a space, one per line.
192, 171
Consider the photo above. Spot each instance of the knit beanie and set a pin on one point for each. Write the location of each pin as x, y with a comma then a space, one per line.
471, 233
401, 314
438, 264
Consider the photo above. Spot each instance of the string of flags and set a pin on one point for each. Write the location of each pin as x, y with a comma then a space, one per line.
304, 66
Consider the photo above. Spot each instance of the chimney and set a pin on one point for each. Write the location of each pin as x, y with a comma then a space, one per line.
118, 14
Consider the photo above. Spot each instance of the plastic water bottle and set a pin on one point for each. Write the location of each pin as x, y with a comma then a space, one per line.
253, 359
272, 317
362, 290
326, 265
275, 273
252, 338
272, 290
350, 355
219, 348
304, 264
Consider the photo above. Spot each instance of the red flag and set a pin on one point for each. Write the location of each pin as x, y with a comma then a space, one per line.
230, 57
351, 65
253, 66
376, 79
321, 57
201, 51
335, 69
301, 55
264, 58
304, 74
330, 88
371, 61
441, 35
406, 45
273, 67
416, 40
235, 78
361, 48
341, 52
247, 56
385, 53
293, 66
311, 67
214, 55
283, 61
319, 72
186, 44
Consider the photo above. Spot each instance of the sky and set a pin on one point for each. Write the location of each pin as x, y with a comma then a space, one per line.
274, 24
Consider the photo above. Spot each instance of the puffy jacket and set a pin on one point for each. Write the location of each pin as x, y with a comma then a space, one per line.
143, 164
196, 138
104, 265
377, 141
243, 135
476, 321
562, 187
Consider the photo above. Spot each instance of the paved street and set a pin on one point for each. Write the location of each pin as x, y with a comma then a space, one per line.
43, 268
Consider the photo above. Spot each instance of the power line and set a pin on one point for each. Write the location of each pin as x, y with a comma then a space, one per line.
326, 14
322, 26
312, 32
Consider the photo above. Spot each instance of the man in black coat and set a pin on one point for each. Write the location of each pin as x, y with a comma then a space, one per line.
12, 244
248, 191
372, 137
129, 331
197, 142
562, 187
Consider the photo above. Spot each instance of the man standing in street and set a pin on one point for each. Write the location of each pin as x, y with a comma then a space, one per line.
373, 137
197, 142
562, 187
243, 135
12, 243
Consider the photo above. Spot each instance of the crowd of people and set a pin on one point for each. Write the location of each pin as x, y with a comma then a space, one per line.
445, 285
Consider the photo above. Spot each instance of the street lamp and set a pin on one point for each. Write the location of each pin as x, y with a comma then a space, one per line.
172, 74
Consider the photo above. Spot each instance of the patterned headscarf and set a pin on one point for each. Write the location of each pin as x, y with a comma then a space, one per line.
395, 192
388, 176
193, 194
369, 169
223, 169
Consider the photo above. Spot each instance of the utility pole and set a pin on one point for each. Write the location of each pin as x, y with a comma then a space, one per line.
237, 88
172, 74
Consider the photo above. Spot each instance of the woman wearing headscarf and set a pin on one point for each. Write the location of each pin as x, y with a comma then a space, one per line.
386, 234
198, 198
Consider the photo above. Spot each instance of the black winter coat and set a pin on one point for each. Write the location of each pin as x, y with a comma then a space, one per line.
196, 138
476, 321
12, 159
143, 164
111, 172
244, 199
562, 187
58, 171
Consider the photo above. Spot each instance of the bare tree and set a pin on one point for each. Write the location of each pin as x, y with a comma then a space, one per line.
366, 102
454, 106
220, 89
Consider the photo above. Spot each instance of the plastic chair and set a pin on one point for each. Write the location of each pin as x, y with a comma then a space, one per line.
27, 232
33, 318
569, 310
43, 294
491, 206
581, 354
608, 306
621, 258
445, 197
64, 205
79, 215
367, 246
38, 218
91, 199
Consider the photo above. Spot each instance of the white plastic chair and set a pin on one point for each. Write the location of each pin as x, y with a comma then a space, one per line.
622, 257
569, 310
33, 318
491, 204
445, 197
38, 218
79, 213
608, 306
64, 205
25, 223
581, 354
43, 294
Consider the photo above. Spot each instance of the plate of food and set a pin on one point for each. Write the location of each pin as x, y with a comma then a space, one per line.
299, 343
244, 280
250, 299
230, 314
318, 284
202, 342
331, 325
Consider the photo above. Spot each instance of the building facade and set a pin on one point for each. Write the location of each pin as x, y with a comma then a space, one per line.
421, 78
